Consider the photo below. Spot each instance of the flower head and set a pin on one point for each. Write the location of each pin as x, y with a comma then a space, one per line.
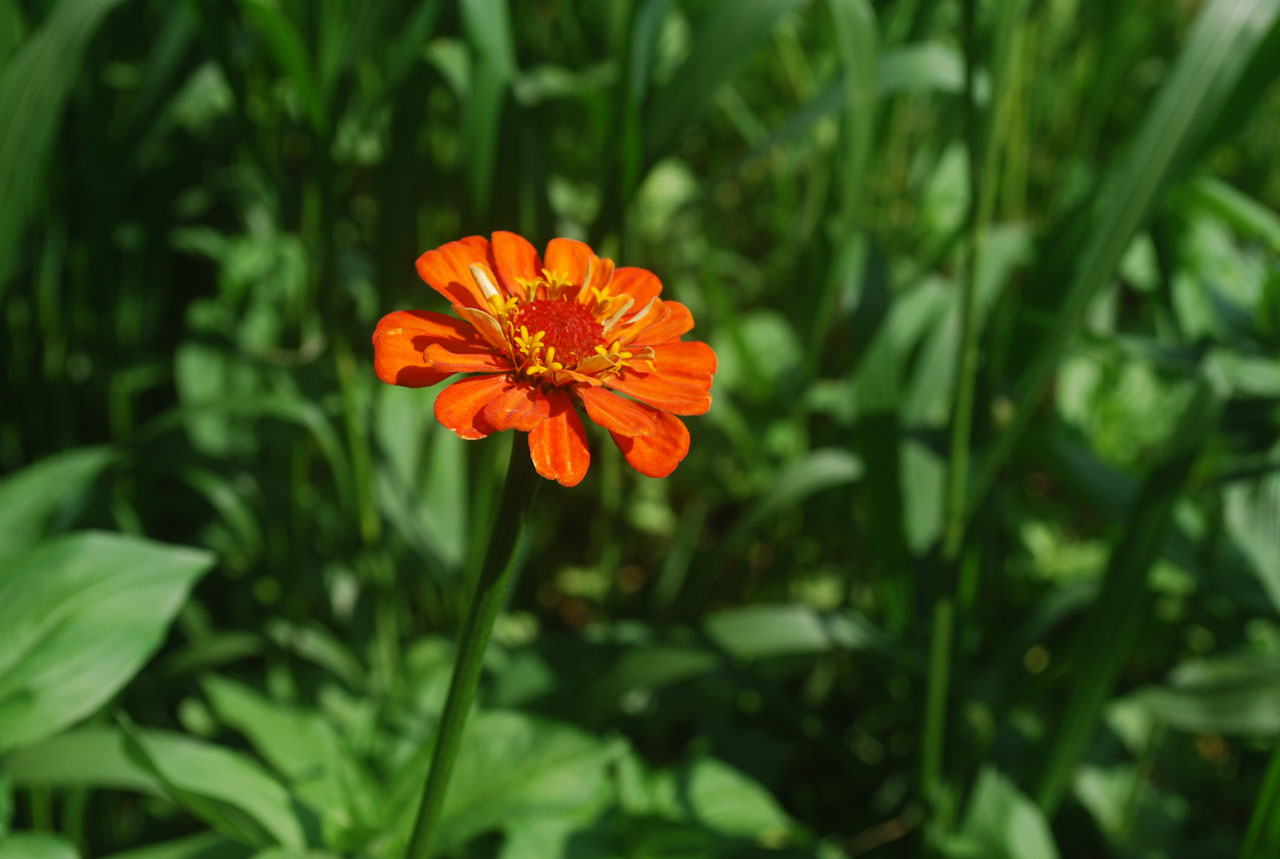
543, 336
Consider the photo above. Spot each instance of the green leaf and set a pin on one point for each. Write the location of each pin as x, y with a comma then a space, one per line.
207, 845
22, 845
302, 747
79, 616
286, 47
823, 468
1004, 822
757, 631
730, 35
712, 793
218, 785
512, 768
1234, 695
33, 496
487, 24
34, 85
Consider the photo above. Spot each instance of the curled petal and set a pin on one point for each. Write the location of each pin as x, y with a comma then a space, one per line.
521, 407
658, 453
599, 273
460, 407
515, 259
639, 283
447, 270
558, 445
618, 415
568, 258
671, 320
402, 338
482, 359
484, 323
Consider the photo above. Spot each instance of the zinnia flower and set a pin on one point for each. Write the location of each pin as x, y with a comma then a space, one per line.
544, 336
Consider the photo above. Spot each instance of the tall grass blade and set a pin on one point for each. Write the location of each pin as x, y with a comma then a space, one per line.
725, 41
493, 57
1263, 837
33, 88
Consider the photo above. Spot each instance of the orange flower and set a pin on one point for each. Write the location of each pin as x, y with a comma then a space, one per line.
545, 336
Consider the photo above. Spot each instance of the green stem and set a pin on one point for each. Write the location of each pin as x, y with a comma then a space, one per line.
939, 676
508, 543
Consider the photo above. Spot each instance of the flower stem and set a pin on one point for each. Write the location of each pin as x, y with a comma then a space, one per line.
508, 543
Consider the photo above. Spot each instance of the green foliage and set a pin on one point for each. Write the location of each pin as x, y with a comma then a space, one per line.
975, 554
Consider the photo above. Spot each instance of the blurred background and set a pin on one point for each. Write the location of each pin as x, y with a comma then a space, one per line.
977, 553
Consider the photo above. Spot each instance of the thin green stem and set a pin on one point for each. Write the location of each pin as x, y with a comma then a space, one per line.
508, 544
958, 463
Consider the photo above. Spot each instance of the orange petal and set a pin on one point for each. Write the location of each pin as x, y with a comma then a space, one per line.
687, 362
488, 327
514, 258
401, 339
446, 270
558, 445
618, 415
639, 283
675, 397
460, 407
568, 258
658, 453
672, 320
522, 407
475, 359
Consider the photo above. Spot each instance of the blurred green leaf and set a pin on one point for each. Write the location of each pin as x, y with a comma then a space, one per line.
729, 36
289, 51
1235, 695
305, 750
20, 845
1002, 823
218, 785
79, 616
208, 845
33, 496
761, 631
511, 768
34, 84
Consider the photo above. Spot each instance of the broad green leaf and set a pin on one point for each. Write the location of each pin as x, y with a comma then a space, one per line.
30, 845
229, 791
511, 767
1004, 822
1252, 514
757, 631
207, 845
1234, 695
220, 785
33, 496
302, 747
709, 792
34, 85
79, 616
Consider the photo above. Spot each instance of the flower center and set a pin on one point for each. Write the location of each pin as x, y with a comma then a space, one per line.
569, 332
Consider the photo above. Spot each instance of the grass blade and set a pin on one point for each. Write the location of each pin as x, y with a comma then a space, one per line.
1111, 630
727, 38
33, 87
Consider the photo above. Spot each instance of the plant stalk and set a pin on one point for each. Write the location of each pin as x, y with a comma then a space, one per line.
508, 544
